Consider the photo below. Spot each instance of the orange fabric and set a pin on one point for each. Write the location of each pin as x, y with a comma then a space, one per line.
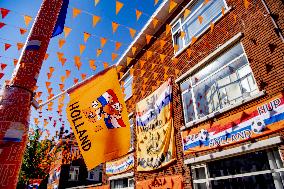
173, 182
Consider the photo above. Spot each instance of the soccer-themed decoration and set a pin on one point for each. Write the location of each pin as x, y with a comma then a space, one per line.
98, 116
121, 165
254, 122
155, 131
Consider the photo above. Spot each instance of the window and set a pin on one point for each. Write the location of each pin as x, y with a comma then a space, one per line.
223, 82
191, 26
74, 173
128, 80
95, 174
259, 170
122, 183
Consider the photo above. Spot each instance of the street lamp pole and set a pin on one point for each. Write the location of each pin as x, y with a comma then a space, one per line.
15, 99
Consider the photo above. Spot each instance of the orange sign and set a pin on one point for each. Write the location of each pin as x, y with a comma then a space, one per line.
173, 182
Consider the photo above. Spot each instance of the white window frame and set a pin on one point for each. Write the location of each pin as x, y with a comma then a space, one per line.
223, 109
181, 24
128, 182
275, 169
131, 116
127, 77
73, 173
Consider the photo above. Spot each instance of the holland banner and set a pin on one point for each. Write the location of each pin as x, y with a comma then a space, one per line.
98, 116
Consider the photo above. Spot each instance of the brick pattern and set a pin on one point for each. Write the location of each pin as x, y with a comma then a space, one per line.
15, 101
264, 50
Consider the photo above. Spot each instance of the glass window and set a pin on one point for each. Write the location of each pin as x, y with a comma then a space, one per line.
128, 80
191, 25
74, 173
223, 82
95, 174
256, 170
122, 183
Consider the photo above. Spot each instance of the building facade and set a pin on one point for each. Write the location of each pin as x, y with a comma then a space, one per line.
224, 59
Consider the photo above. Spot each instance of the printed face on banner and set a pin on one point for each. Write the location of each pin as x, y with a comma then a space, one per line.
108, 108
251, 123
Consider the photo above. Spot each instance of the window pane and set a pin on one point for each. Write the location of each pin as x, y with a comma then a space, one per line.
128, 87
188, 107
209, 12
252, 162
178, 40
200, 186
199, 173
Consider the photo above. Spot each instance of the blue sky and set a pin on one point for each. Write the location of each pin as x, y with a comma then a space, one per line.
82, 23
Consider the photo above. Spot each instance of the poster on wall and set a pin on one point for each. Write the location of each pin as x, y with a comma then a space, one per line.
155, 133
254, 122
121, 165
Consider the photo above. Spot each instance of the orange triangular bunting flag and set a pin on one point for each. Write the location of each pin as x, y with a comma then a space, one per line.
246, 4
105, 65
168, 29
92, 64
51, 69
63, 61
76, 80
155, 22
68, 72
212, 26
61, 86
86, 36
77, 61
76, 12
162, 57
47, 84
99, 52
113, 56
118, 7
133, 49
128, 60
61, 42
49, 75
15, 61
27, 19
103, 41
66, 31
162, 43
138, 14
22, 31
83, 76
62, 78
132, 32
60, 55
20, 46
186, 13
200, 19
114, 26
142, 62
156, 2
96, 19
148, 38
149, 54
82, 48
117, 45
172, 5
6, 46
3, 66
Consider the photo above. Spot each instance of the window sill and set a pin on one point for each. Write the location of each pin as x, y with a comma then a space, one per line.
205, 30
226, 109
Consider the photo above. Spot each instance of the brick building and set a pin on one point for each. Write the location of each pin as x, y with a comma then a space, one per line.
225, 58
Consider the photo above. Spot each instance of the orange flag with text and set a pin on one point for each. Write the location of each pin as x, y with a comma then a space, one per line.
99, 119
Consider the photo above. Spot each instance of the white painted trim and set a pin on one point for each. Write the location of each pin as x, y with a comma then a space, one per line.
125, 175
223, 110
210, 57
235, 151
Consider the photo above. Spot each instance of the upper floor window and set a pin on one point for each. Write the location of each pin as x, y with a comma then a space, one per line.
95, 174
196, 22
128, 80
74, 173
223, 82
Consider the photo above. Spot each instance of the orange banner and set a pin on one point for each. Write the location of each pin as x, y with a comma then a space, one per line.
173, 182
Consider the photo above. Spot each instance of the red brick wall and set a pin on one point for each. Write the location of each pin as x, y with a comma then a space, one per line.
259, 37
